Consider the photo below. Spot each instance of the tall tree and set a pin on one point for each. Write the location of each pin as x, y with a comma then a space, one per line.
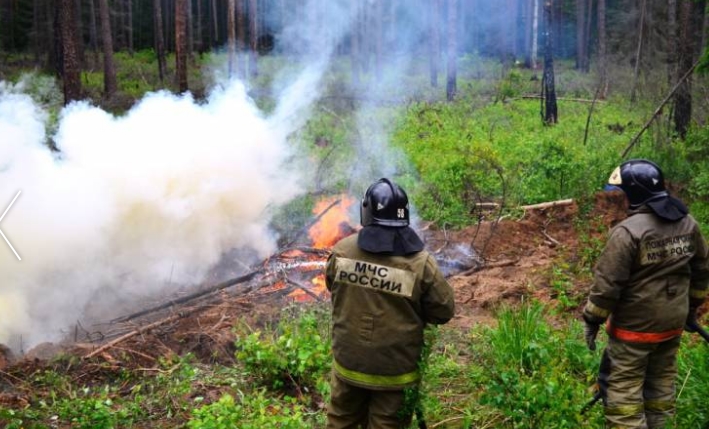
215, 24
129, 25
636, 71
109, 69
253, 37
159, 40
71, 70
240, 37
93, 32
602, 60
550, 112
434, 40
535, 33
231, 37
199, 36
452, 52
181, 44
691, 19
580, 34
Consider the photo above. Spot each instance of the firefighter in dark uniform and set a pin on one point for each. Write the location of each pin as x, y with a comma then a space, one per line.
648, 282
385, 288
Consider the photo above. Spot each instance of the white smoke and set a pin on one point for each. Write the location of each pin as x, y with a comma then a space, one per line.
130, 203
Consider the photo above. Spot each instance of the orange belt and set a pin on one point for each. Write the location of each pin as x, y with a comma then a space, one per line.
642, 337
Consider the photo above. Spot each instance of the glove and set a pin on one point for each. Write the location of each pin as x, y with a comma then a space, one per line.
590, 331
691, 323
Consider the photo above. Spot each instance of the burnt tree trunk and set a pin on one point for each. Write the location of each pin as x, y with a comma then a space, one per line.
79, 33
434, 40
129, 25
452, 72
550, 113
215, 24
70, 67
181, 45
159, 40
199, 36
109, 69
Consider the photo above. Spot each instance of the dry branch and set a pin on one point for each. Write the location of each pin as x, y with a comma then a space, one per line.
548, 204
142, 329
659, 109
576, 100
219, 286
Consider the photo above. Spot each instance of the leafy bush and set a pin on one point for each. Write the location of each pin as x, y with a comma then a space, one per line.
536, 377
255, 411
296, 353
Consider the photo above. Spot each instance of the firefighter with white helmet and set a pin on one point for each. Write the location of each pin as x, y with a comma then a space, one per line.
385, 288
648, 283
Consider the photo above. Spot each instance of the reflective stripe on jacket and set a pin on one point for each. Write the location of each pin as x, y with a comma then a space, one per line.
381, 304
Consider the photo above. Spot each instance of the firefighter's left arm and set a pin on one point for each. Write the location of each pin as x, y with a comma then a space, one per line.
438, 301
610, 275
699, 266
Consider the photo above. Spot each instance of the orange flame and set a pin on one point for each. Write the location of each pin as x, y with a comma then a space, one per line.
330, 229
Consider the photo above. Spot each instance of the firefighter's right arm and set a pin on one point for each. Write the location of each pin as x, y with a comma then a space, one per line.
611, 273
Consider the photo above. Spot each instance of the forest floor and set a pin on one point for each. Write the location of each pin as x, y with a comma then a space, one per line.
531, 257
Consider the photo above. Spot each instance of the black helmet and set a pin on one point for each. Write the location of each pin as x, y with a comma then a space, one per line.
641, 180
385, 204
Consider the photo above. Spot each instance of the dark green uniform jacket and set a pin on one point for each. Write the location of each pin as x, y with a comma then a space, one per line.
381, 304
648, 275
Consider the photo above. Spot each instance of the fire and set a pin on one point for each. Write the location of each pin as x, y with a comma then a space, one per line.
334, 223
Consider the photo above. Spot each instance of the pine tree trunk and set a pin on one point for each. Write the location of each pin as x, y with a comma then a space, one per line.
691, 19
452, 75
587, 38
93, 33
71, 70
79, 33
378, 36
240, 38
434, 40
636, 71
199, 36
129, 22
109, 69
550, 113
231, 37
535, 33
215, 24
253, 37
159, 40
602, 60
580, 33
528, 18
181, 45
354, 40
